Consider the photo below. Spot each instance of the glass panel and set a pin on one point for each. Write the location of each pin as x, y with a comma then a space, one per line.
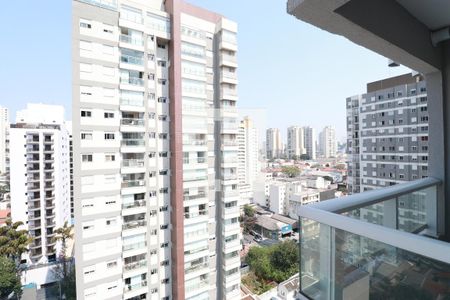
315, 253
412, 214
368, 269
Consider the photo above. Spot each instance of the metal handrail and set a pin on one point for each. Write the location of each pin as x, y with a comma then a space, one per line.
348, 203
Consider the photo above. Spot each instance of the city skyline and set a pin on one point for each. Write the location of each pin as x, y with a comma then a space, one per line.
257, 90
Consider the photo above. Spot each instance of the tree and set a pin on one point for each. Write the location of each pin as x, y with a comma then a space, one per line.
63, 234
9, 278
13, 242
290, 171
249, 211
274, 263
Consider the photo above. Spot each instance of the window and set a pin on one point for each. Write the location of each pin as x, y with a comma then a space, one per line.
85, 24
109, 115
110, 179
86, 114
110, 157
86, 158
109, 136
86, 136
111, 222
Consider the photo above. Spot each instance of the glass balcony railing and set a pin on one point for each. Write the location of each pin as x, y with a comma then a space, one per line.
134, 246
135, 265
132, 81
133, 143
372, 246
133, 163
134, 60
194, 197
132, 287
131, 40
134, 224
133, 183
132, 122
136, 203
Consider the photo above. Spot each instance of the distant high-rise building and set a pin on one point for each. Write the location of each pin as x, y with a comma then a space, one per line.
4, 140
327, 142
387, 130
310, 141
40, 178
155, 151
274, 145
295, 142
248, 158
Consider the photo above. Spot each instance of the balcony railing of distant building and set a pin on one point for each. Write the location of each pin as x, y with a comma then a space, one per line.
374, 245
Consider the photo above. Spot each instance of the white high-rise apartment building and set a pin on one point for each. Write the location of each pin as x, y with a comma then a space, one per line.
4, 140
327, 142
40, 183
295, 142
310, 141
248, 162
155, 151
274, 145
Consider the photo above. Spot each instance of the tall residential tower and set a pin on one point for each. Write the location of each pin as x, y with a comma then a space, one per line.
295, 142
154, 137
310, 141
387, 133
274, 145
327, 142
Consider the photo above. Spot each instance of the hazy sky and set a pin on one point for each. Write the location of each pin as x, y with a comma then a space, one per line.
289, 72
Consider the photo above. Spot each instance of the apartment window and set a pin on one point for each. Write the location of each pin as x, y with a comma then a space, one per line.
151, 76
85, 24
161, 63
109, 115
152, 154
151, 57
151, 115
88, 226
162, 81
86, 136
163, 154
110, 157
89, 270
86, 158
109, 136
152, 135
153, 271
86, 114
162, 99
111, 222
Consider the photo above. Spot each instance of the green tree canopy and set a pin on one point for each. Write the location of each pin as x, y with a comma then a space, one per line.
249, 211
274, 263
13, 242
9, 278
290, 171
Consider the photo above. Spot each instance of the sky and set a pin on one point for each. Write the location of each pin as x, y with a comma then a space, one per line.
290, 73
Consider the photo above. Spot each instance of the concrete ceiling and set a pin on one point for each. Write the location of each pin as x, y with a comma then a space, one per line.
435, 14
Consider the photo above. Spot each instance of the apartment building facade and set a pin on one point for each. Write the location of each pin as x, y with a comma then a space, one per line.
248, 159
155, 151
4, 140
387, 133
327, 142
310, 141
295, 142
274, 144
40, 178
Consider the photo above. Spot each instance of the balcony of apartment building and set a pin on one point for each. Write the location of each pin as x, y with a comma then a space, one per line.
32, 139
48, 158
132, 121
33, 186
132, 161
48, 148
131, 77
135, 283
196, 285
196, 267
132, 57
48, 139
131, 39
133, 140
391, 243
133, 180
32, 158
33, 167
134, 221
134, 201
34, 215
32, 178
196, 213
135, 262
